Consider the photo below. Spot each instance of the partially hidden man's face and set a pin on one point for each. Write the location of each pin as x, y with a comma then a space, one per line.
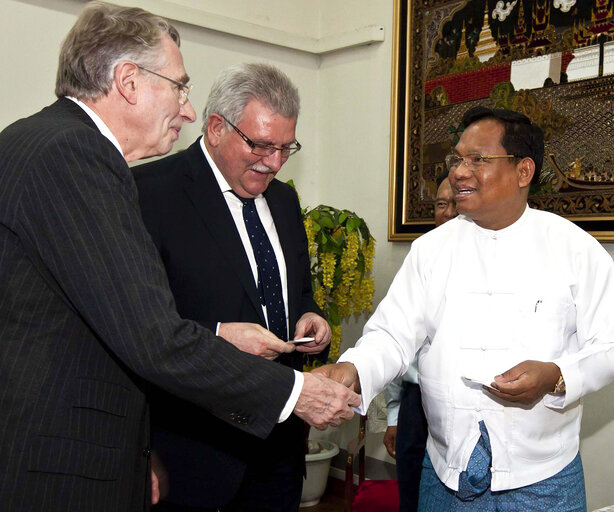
162, 115
493, 195
445, 204
247, 174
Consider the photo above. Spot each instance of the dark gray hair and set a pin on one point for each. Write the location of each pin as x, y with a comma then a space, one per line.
103, 36
521, 137
237, 85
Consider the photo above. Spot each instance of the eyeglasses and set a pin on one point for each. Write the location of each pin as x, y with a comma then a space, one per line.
266, 149
183, 89
473, 161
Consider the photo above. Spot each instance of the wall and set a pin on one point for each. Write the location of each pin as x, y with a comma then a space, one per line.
344, 127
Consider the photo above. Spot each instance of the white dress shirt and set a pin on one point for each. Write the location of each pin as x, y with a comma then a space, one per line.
102, 127
236, 210
484, 301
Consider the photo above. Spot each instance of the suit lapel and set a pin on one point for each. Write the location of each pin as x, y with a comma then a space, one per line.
206, 197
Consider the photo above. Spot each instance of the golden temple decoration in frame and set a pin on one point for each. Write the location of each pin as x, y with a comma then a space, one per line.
552, 60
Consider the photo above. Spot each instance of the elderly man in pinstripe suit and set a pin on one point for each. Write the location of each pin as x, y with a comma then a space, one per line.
86, 315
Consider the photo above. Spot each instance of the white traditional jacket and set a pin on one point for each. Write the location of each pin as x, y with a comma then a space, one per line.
540, 289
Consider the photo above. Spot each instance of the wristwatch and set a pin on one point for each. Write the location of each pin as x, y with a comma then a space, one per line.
560, 386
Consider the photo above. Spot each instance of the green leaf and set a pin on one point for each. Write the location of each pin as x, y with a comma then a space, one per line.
327, 221
352, 224
364, 231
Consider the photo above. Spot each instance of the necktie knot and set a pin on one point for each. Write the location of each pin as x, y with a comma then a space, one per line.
247, 201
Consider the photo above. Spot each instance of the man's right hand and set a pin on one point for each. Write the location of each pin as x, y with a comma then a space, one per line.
323, 402
390, 440
345, 373
254, 339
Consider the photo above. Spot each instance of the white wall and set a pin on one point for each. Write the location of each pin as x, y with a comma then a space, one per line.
344, 127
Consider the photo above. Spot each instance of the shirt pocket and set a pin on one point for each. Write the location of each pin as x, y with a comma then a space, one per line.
537, 431
545, 323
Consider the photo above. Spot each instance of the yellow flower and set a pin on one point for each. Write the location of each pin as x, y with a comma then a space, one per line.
341, 297
335, 342
367, 288
311, 236
349, 258
356, 293
368, 249
328, 262
320, 297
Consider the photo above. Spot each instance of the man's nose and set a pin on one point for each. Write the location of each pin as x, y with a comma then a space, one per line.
273, 161
187, 112
460, 171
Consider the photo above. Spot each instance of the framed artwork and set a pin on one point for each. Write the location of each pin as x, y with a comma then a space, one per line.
552, 60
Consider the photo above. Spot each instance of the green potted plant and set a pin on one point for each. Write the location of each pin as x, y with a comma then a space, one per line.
342, 250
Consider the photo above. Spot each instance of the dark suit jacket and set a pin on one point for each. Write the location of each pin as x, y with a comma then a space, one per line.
86, 319
210, 276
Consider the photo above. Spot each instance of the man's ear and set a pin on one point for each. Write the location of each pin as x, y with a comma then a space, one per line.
126, 80
216, 129
526, 170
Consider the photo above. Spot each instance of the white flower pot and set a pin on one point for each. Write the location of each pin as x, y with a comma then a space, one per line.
318, 465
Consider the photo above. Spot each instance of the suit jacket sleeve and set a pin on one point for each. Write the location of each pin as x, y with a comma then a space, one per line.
79, 206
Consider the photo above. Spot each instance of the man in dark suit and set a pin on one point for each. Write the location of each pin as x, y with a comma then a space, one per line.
193, 206
86, 315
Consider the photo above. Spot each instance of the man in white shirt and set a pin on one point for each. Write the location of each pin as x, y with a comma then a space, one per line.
515, 298
201, 207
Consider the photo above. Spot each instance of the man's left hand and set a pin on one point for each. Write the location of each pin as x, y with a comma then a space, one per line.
526, 382
390, 440
311, 324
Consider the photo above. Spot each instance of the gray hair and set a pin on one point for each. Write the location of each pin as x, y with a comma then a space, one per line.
237, 85
103, 36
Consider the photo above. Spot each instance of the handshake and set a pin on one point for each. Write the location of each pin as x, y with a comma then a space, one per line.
328, 395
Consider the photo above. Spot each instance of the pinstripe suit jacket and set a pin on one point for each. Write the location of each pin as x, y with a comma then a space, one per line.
86, 319
193, 229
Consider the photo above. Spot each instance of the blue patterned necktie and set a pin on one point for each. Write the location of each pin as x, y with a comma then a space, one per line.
269, 281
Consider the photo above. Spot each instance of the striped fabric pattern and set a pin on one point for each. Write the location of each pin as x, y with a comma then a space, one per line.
87, 320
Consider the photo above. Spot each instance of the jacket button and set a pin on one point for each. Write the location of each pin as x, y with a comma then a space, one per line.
146, 452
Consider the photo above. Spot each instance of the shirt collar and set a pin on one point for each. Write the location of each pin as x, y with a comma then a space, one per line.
104, 129
504, 231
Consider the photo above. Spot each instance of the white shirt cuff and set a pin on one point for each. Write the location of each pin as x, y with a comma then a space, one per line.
393, 415
296, 392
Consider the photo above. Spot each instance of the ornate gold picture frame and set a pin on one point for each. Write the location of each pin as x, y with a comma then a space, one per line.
553, 60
